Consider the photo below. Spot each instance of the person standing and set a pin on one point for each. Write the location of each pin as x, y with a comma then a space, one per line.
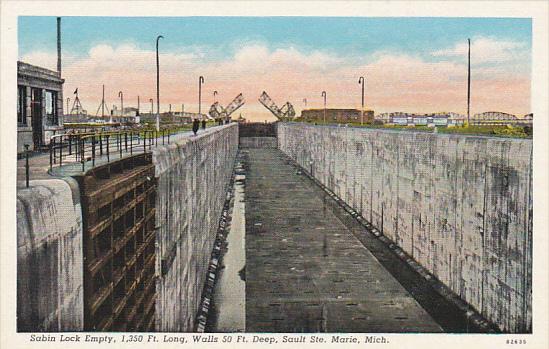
196, 125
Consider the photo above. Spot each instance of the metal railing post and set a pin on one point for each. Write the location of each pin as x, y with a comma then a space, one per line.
27, 165
131, 142
54, 154
82, 153
60, 151
144, 142
108, 151
93, 151
120, 144
126, 140
100, 144
51, 157
163, 133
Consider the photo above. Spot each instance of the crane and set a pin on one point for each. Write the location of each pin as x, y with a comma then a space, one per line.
285, 112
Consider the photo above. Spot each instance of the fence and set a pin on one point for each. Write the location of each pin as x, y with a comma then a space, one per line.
89, 146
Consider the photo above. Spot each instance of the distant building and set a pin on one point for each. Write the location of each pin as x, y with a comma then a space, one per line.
340, 115
39, 106
431, 120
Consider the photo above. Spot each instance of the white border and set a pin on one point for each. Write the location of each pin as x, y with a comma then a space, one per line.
537, 10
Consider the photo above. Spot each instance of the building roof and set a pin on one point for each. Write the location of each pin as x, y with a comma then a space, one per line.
29, 70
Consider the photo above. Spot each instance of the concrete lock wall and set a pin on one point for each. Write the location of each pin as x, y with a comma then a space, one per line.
193, 174
258, 142
459, 205
49, 257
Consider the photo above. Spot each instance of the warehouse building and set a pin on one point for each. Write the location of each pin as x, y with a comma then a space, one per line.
339, 115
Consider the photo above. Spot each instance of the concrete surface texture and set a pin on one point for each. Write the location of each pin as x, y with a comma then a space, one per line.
49, 257
193, 174
305, 270
258, 142
459, 205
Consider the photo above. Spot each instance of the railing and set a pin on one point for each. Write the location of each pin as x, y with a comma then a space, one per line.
85, 147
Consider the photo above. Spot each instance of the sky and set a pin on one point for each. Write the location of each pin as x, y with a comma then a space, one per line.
409, 64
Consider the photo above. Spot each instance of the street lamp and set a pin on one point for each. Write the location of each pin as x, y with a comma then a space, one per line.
200, 82
468, 80
121, 95
324, 95
361, 81
158, 86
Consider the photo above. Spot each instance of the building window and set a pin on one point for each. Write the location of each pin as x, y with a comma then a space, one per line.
51, 108
21, 105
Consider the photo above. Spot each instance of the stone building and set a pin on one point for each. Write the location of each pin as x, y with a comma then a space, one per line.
340, 115
39, 106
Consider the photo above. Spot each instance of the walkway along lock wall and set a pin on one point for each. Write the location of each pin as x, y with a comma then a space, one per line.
459, 205
134, 255
193, 175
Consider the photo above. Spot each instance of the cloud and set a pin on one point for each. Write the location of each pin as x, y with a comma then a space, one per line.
394, 81
486, 50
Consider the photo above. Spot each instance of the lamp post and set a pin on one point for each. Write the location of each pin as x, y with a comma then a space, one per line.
324, 95
137, 105
361, 81
200, 82
152, 108
68, 100
468, 81
158, 86
121, 95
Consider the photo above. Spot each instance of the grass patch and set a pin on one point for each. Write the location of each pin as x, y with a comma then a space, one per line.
478, 130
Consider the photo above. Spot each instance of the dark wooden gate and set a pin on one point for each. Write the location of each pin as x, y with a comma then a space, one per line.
118, 209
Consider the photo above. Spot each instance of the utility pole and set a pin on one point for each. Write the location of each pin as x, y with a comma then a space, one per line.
103, 103
59, 46
324, 95
469, 83
200, 82
361, 81
158, 86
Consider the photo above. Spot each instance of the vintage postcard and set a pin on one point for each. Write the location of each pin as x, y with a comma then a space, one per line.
236, 174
